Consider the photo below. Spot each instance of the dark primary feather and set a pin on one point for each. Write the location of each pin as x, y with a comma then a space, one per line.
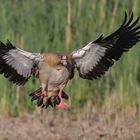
15, 64
9, 72
121, 40
92, 64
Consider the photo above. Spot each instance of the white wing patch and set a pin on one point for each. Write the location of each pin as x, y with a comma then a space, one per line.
88, 57
21, 61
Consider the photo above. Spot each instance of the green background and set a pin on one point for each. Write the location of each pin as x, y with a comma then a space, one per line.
66, 25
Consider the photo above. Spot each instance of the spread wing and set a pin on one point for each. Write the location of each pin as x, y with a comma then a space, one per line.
93, 60
17, 65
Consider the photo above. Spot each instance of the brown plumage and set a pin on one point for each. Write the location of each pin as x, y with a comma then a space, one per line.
54, 70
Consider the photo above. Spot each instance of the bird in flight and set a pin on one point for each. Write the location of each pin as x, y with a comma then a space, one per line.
54, 70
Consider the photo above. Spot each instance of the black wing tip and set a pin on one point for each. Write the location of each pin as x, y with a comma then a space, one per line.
127, 23
2, 44
130, 22
125, 19
8, 45
98, 39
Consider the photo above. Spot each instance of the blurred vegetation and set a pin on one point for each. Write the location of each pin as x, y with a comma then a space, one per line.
65, 25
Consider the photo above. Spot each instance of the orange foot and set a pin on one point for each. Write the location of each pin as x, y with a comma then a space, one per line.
62, 104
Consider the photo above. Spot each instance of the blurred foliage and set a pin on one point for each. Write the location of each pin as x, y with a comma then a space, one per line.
65, 25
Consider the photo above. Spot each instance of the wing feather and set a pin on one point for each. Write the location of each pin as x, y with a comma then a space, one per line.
17, 65
93, 60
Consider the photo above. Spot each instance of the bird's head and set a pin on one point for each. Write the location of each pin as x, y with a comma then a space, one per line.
64, 59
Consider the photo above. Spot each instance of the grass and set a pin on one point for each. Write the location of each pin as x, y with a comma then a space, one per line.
41, 26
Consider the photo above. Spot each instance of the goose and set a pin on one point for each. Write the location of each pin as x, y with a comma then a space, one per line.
54, 70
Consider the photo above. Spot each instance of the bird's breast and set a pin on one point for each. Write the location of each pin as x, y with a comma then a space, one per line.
53, 74
59, 75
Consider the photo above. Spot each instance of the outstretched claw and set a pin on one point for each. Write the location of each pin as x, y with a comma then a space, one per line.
40, 96
35, 94
52, 99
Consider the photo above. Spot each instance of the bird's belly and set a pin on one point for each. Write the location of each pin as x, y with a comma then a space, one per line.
59, 76
57, 79
54, 77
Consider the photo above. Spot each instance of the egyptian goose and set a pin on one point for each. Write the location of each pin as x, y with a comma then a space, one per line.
54, 70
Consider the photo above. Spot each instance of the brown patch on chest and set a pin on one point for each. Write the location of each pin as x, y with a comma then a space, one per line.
51, 59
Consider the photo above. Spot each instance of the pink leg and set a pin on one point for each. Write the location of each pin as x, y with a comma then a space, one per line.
44, 92
62, 104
